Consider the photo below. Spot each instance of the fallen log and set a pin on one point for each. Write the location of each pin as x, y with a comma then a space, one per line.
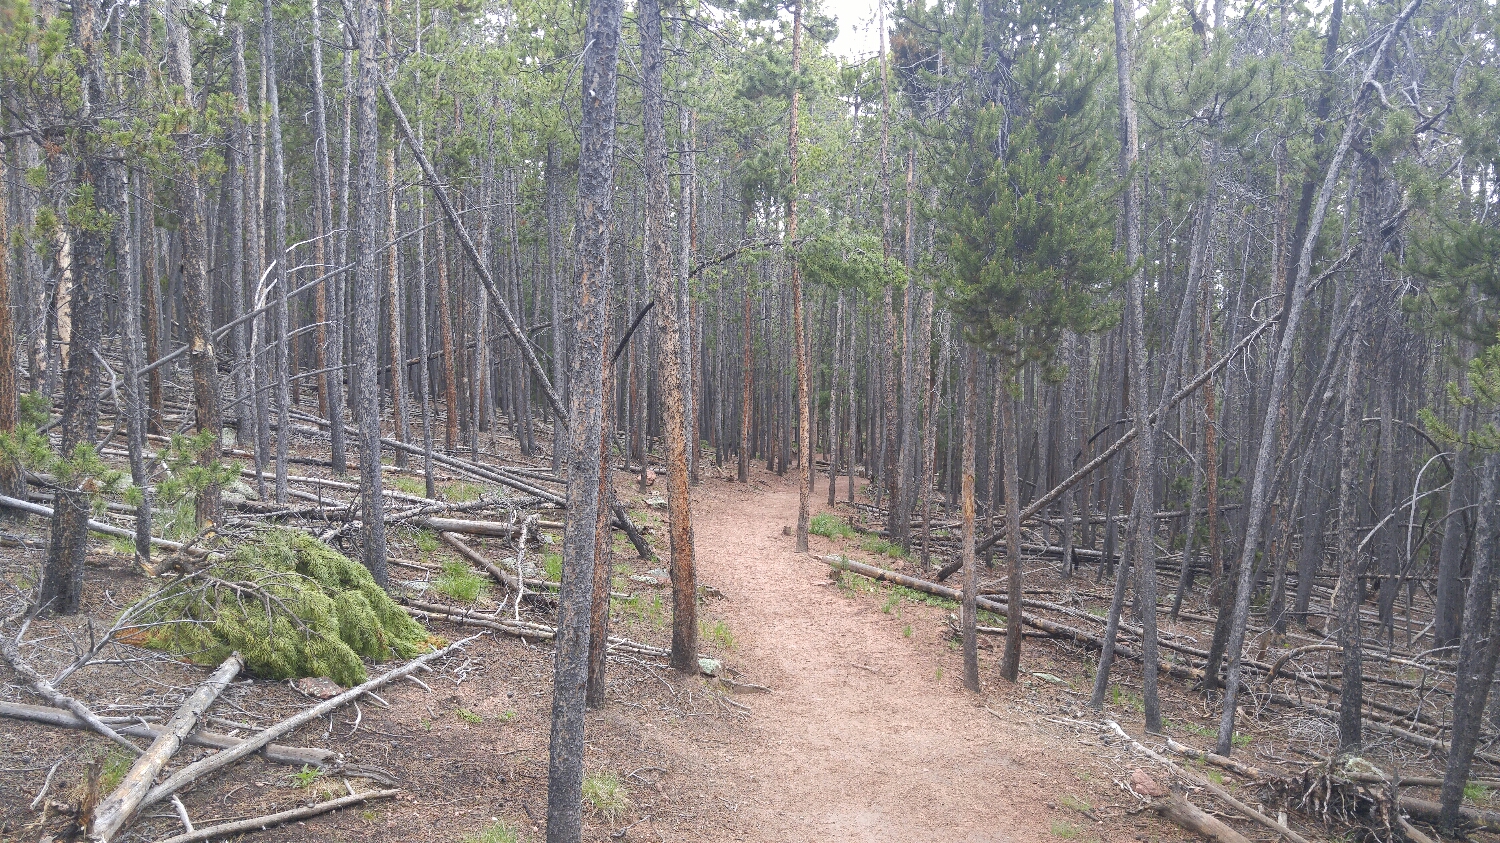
1174, 808
97, 526
1428, 812
198, 769
291, 756
257, 823
1053, 629
501, 575
119, 807
518, 629
1198, 781
493, 529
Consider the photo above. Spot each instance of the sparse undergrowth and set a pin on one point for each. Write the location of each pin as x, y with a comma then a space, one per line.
606, 796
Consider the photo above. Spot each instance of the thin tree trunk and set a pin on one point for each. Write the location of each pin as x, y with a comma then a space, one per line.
61, 589
1477, 650
1143, 517
367, 291
277, 177
966, 495
195, 273
669, 346
586, 408
1010, 666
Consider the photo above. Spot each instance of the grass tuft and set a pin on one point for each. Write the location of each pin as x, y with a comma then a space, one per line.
460, 582
717, 632
830, 526
1064, 830
500, 832
606, 796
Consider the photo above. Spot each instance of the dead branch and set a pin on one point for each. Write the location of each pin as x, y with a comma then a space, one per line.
117, 809
258, 823
1174, 808
11, 652
198, 769
1198, 781
291, 756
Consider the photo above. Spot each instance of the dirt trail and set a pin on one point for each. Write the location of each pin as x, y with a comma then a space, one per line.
868, 734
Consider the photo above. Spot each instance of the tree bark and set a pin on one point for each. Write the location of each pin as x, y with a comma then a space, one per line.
669, 344
367, 290
586, 411
966, 496
197, 299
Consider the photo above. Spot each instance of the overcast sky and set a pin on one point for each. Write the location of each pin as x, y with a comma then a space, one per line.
857, 35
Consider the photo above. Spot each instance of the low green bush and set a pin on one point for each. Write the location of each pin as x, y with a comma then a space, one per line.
291, 605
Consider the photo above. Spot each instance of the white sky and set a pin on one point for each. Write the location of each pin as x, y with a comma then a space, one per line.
857, 37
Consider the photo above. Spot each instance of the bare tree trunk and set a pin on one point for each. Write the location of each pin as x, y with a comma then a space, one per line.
1010, 666
966, 495
1477, 650
12, 482
1143, 516
367, 290
1265, 457
238, 155
445, 331
195, 272
62, 575
1447, 605
554, 257
799, 326
747, 376
669, 345
134, 353
61, 588
586, 412
596, 688
277, 177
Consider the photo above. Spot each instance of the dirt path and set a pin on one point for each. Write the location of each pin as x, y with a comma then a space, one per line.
868, 734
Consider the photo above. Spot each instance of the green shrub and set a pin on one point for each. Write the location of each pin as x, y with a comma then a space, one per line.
552, 567
606, 795
881, 547
291, 605
460, 582
830, 526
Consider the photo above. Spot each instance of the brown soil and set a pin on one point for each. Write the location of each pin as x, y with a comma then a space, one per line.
866, 733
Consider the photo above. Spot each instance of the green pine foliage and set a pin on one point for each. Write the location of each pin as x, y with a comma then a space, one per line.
292, 606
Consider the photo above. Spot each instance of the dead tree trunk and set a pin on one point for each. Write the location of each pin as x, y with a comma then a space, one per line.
190, 211
367, 290
669, 345
586, 412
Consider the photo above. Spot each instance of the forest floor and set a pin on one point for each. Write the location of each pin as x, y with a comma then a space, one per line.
866, 733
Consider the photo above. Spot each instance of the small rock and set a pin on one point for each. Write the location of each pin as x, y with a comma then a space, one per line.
318, 687
650, 477
1047, 677
1143, 784
709, 667
786, 531
656, 502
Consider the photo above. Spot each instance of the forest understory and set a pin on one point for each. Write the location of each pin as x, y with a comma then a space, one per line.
513, 420
840, 713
